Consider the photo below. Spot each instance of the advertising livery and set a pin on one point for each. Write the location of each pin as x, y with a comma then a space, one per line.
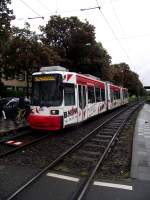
61, 98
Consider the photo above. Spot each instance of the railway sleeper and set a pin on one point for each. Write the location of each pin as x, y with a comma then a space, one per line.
114, 126
110, 134
86, 159
109, 163
100, 140
90, 153
95, 145
108, 129
103, 136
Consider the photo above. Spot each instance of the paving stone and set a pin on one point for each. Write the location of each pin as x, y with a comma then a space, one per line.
140, 167
144, 176
7, 125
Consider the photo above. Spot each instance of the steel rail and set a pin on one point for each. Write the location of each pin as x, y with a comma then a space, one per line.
80, 194
62, 156
15, 149
23, 130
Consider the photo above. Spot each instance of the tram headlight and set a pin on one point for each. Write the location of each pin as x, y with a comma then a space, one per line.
54, 112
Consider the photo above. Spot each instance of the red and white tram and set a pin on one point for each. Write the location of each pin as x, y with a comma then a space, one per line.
61, 98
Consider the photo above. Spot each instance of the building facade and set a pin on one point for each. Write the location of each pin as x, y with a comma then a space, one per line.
16, 83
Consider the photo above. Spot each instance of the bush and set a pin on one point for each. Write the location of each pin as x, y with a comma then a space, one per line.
133, 98
13, 93
2, 89
148, 99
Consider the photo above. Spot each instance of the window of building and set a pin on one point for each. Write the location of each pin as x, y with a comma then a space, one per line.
10, 87
22, 89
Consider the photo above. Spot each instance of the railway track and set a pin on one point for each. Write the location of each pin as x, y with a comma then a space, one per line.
18, 139
18, 142
91, 149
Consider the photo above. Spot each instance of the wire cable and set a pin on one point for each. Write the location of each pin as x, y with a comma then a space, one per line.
32, 9
63, 11
115, 36
116, 16
44, 6
56, 6
135, 36
91, 8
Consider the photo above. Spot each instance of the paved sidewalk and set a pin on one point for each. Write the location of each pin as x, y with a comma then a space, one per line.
140, 168
8, 125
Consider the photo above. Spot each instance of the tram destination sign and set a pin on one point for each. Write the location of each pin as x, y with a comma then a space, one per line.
44, 78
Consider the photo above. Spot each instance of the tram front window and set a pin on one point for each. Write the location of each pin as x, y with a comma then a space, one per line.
47, 92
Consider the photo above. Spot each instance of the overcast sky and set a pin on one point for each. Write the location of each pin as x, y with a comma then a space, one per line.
122, 26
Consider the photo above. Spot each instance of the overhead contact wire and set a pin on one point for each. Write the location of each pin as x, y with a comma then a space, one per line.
32, 9
120, 44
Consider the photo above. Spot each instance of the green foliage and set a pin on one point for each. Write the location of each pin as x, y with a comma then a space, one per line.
148, 99
65, 41
124, 76
133, 98
26, 55
67, 32
5, 18
75, 43
2, 89
13, 93
5, 30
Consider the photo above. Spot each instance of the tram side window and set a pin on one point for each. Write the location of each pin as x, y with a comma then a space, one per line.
91, 95
117, 95
125, 95
111, 95
98, 94
69, 94
80, 96
84, 97
103, 94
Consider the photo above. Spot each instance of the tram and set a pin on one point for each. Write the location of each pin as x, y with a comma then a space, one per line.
61, 98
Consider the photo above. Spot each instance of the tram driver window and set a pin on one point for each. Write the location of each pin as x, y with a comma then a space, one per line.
69, 94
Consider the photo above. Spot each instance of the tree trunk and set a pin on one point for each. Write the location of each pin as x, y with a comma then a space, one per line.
27, 82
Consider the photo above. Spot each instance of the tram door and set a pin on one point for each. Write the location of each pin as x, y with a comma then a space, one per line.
82, 103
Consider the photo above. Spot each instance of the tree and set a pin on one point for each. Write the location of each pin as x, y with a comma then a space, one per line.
124, 76
101, 60
2, 89
75, 43
26, 54
69, 36
5, 18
